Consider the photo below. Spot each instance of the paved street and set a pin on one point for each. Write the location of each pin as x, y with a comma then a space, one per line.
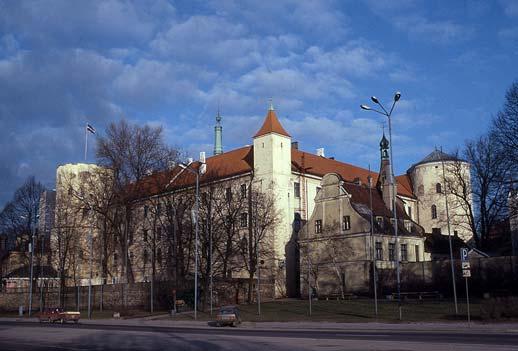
138, 336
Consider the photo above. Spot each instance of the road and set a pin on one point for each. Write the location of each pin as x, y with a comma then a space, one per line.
21, 336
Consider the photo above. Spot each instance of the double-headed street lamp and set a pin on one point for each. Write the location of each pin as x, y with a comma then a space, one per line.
202, 169
388, 114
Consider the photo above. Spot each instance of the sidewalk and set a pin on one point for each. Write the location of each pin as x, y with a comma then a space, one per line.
453, 327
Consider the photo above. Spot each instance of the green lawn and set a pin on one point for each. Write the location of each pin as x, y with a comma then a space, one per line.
357, 310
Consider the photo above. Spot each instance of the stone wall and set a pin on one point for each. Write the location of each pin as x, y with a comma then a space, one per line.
117, 297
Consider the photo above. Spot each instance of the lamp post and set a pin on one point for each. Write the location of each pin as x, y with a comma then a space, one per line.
388, 114
201, 170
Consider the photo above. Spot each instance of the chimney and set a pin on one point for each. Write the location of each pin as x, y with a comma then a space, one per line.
202, 156
320, 152
295, 145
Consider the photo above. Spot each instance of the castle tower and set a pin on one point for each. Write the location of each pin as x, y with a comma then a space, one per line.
272, 173
428, 184
218, 136
384, 180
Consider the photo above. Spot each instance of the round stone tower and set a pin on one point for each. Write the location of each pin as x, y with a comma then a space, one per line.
431, 192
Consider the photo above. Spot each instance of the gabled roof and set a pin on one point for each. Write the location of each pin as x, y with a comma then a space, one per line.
271, 124
319, 166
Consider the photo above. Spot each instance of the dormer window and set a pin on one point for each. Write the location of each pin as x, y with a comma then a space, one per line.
318, 226
346, 223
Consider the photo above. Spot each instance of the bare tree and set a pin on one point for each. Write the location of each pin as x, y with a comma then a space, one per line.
263, 218
132, 153
329, 250
483, 200
505, 125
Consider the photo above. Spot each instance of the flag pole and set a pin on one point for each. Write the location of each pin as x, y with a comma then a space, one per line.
86, 140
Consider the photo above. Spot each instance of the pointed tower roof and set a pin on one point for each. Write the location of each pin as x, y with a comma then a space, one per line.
271, 124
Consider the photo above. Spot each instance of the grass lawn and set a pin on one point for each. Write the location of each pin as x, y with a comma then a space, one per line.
357, 310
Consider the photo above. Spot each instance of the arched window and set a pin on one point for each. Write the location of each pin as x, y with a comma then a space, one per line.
434, 212
438, 188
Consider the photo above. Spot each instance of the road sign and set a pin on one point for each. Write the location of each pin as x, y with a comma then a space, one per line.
466, 265
466, 273
464, 254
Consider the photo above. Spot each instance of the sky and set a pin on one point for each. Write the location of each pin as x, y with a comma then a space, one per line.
66, 63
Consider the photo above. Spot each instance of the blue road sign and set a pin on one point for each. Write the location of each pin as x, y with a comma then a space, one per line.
464, 254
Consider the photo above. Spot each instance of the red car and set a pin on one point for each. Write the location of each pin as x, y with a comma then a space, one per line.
58, 315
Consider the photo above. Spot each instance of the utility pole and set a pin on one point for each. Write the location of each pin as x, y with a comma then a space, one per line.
373, 249
90, 277
449, 237
33, 233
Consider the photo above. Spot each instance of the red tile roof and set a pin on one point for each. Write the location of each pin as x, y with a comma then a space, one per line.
240, 161
271, 124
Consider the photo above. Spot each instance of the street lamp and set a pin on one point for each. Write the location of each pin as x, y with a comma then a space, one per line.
388, 114
202, 169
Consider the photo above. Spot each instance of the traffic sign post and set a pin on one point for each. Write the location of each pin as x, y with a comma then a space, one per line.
466, 273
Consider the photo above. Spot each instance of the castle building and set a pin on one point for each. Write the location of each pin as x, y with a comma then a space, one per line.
306, 188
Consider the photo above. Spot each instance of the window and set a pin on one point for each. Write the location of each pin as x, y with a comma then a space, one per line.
115, 259
436, 231
228, 194
409, 211
296, 189
417, 259
392, 252
244, 220
404, 252
159, 255
346, 222
243, 191
145, 211
438, 188
318, 189
379, 251
159, 233
146, 256
434, 212
144, 234
408, 225
379, 221
318, 226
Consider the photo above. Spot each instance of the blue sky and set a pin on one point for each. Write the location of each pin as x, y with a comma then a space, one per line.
63, 63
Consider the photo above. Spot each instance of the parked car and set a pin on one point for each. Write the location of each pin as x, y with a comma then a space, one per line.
58, 315
228, 315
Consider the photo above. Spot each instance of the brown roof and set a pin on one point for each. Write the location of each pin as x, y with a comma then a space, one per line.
240, 161
271, 124
319, 166
404, 185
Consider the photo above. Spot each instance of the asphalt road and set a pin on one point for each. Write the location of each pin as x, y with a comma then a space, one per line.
32, 336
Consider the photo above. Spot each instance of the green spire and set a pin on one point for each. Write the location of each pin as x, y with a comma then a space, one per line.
218, 135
